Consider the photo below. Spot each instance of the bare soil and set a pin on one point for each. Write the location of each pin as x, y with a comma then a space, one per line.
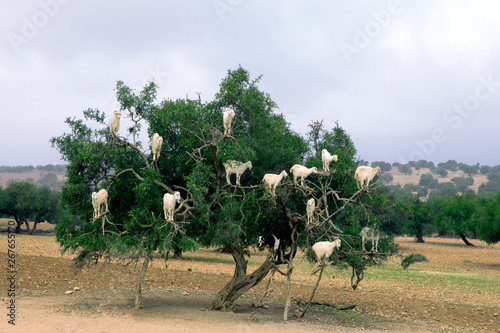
458, 290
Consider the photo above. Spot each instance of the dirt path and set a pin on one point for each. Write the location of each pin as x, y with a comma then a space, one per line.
174, 297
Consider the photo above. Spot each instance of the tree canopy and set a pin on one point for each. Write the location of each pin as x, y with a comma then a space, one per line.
26, 201
211, 212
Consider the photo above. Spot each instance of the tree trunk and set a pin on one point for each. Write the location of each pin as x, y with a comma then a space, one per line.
35, 222
461, 234
27, 227
138, 296
177, 253
32, 231
18, 226
419, 238
241, 282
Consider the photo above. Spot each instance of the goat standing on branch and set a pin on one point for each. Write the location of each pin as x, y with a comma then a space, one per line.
272, 242
365, 174
227, 118
169, 201
98, 199
302, 172
369, 234
310, 207
115, 122
324, 250
236, 167
326, 158
156, 146
271, 180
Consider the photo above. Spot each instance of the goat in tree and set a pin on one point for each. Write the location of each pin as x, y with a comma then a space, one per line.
301, 171
272, 242
169, 201
310, 207
369, 234
237, 168
324, 250
326, 158
365, 174
98, 199
156, 146
227, 118
115, 122
271, 180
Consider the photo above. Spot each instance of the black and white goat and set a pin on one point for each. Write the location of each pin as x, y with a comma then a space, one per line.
272, 242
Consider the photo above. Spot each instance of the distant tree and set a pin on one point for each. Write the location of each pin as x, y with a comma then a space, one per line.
447, 189
443, 189
384, 166
457, 213
430, 165
423, 192
449, 165
363, 162
495, 169
489, 219
50, 180
386, 178
396, 164
419, 218
462, 184
421, 164
425, 180
25, 201
402, 193
411, 187
484, 169
491, 187
470, 169
441, 171
405, 169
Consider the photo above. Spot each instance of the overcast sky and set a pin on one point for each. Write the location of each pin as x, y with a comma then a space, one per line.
408, 80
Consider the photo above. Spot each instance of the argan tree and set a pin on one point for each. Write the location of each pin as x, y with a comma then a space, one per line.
26, 201
212, 212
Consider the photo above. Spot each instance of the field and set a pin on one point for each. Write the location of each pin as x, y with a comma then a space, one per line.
458, 290
414, 178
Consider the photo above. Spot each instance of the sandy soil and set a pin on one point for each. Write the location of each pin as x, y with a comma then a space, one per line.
174, 298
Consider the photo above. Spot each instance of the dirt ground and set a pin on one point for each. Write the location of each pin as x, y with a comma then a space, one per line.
458, 290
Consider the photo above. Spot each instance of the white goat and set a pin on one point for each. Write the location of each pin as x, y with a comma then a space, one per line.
169, 201
324, 250
156, 146
365, 174
302, 172
326, 158
311, 206
98, 199
271, 180
369, 234
227, 118
236, 167
115, 122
